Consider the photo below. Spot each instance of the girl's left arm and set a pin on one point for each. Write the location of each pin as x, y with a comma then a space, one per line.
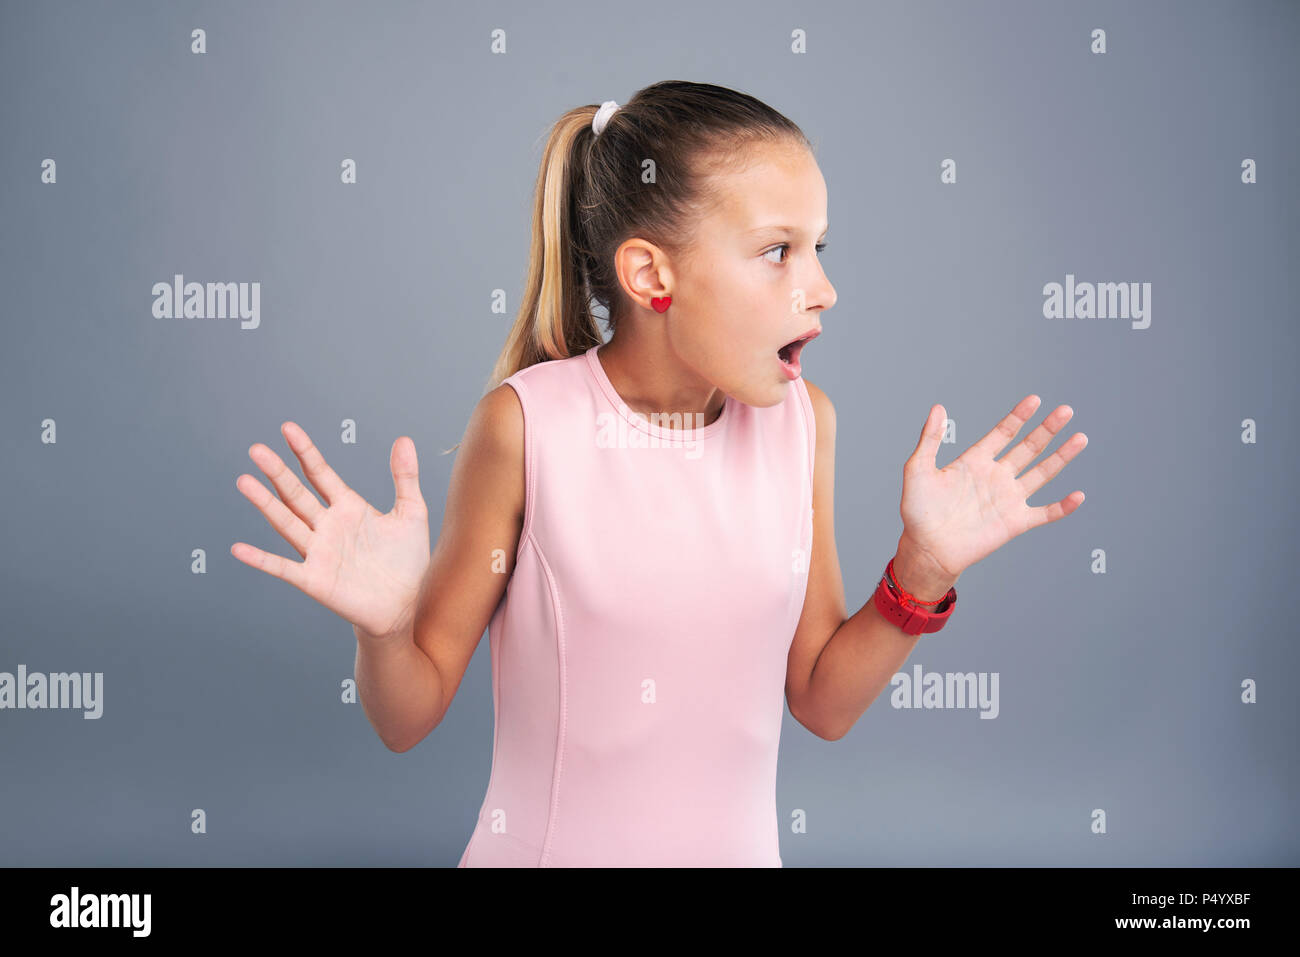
836, 668
952, 518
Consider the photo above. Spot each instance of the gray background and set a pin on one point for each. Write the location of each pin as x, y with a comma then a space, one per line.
221, 691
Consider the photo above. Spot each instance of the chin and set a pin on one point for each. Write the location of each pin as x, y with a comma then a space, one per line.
774, 395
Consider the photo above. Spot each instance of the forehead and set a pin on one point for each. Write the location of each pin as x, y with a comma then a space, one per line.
778, 186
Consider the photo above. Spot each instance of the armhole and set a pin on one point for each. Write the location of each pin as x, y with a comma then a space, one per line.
529, 472
810, 428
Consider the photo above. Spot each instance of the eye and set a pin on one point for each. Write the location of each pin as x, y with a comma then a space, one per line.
819, 247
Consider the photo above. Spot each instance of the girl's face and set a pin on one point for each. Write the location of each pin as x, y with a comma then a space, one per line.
753, 282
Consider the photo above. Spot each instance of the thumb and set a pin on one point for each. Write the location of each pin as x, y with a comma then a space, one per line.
927, 446
406, 475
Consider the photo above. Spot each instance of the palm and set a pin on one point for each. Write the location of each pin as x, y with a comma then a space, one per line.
364, 565
959, 514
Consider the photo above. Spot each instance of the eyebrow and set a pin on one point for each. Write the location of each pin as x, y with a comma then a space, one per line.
791, 230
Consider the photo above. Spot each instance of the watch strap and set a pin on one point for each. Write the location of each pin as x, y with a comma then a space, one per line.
912, 620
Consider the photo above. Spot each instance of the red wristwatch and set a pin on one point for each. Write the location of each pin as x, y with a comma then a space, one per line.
890, 600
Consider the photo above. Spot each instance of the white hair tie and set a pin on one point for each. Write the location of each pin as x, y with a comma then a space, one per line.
602, 116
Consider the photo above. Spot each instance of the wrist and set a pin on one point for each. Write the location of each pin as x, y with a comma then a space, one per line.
921, 578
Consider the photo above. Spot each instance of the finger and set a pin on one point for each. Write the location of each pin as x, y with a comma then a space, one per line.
1002, 433
927, 446
1046, 470
314, 466
1037, 440
1050, 513
294, 530
292, 492
406, 477
292, 572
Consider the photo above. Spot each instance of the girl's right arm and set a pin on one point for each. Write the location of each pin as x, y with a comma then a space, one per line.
406, 685
417, 617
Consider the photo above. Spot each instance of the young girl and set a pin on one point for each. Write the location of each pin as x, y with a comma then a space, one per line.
645, 527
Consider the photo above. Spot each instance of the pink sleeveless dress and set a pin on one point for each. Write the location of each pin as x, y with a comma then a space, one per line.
639, 651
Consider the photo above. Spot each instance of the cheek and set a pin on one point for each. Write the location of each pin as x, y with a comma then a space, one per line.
737, 296
750, 284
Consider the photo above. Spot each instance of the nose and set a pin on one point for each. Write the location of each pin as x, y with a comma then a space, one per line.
820, 295
829, 296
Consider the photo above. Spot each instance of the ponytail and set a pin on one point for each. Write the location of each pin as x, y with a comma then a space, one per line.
554, 319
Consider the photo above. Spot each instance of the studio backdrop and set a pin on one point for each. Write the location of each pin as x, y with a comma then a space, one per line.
1096, 203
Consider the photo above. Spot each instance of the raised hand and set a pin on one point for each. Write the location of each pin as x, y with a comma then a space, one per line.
955, 516
363, 565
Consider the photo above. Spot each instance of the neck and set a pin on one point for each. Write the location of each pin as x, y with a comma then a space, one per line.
648, 375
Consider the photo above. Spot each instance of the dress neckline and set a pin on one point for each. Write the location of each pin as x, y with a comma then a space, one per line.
642, 422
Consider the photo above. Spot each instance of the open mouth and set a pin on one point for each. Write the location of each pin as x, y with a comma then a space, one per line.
789, 353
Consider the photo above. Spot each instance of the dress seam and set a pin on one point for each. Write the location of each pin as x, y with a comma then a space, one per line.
557, 765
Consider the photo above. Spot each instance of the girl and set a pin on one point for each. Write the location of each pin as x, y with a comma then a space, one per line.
645, 526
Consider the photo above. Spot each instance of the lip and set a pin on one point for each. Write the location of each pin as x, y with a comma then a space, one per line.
807, 337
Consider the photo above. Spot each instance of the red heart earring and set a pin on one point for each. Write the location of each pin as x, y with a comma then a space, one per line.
660, 303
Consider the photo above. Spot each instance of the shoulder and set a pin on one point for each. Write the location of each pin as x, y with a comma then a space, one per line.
823, 412
540, 392
490, 467
495, 432
501, 415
